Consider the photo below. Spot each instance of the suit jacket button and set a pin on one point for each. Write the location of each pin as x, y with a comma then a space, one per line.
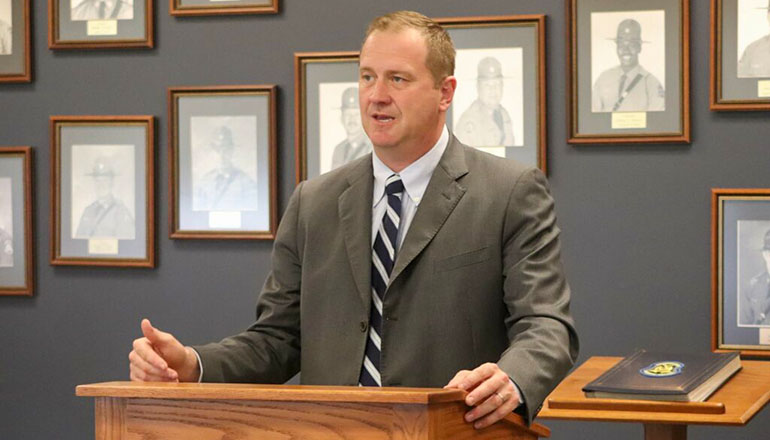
363, 326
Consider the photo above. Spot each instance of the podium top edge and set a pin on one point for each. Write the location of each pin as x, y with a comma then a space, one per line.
236, 391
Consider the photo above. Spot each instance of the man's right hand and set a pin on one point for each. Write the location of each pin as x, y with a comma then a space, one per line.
160, 357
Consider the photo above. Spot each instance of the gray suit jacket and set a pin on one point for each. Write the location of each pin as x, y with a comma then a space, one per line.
478, 279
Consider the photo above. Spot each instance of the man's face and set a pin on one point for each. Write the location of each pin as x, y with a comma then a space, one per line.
351, 120
224, 157
490, 91
628, 52
400, 105
103, 186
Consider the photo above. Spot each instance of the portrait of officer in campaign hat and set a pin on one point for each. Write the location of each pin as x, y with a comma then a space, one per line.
754, 61
628, 87
486, 123
107, 216
225, 187
356, 144
754, 300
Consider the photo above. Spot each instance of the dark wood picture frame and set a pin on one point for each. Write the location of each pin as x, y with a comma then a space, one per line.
108, 40
24, 74
146, 153
720, 276
267, 186
720, 82
26, 219
176, 9
640, 136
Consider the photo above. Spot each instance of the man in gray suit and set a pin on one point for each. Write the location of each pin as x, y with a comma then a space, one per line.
475, 298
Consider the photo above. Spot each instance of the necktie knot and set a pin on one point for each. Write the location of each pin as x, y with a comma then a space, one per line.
394, 185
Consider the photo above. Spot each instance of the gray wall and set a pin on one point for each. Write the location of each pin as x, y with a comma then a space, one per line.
635, 219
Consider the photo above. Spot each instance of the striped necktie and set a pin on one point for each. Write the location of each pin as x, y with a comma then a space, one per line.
383, 257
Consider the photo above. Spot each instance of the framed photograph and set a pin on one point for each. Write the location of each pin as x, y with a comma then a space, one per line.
102, 183
327, 118
222, 158
222, 7
629, 71
740, 259
740, 55
15, 58
17, 262
499, 104
96, 24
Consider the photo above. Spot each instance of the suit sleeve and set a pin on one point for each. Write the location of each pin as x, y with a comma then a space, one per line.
269, 351
543, 341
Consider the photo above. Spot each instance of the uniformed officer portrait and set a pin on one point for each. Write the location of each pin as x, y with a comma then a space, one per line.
754, 38
754, 287
6, 34
487, 109
107, 215
6, 223
101, 10
224, 160
628, 85
356, 144
341, 134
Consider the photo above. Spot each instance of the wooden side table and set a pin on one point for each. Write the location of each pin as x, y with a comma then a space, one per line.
734, 404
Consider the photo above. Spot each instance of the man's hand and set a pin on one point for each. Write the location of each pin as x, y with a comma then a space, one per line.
490, 392
160, 357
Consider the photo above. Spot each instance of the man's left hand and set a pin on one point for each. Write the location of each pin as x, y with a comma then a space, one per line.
490, 392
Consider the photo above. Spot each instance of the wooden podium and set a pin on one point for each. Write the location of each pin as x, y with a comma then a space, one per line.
735, 403
136, 410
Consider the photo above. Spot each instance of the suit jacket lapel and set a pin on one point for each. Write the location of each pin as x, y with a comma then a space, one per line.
355, 211
440, 198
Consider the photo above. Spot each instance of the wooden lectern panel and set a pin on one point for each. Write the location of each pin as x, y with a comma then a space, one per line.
138, 411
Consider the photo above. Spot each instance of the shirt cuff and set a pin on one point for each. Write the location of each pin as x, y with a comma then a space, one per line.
200, 367
515, 387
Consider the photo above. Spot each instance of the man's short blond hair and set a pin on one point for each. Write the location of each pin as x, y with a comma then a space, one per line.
441, 52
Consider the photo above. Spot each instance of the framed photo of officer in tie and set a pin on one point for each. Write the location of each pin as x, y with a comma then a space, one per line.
327, 119
628, 71
94, 24
499, 104
102, 181
740, 55
741, 271
15, 59
16, 249
222, 162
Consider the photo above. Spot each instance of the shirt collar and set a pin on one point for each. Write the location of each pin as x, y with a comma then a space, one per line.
415, 176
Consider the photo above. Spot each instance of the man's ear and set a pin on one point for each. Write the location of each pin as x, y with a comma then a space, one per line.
447, 87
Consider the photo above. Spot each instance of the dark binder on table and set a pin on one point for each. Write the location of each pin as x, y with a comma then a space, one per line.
665, 376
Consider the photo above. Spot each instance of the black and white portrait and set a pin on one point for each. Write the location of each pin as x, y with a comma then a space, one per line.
488, 103
342, 135
103, 192
6, 223
6, 23
224, 163
753, 273
753, 38
101, 10
628, 62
